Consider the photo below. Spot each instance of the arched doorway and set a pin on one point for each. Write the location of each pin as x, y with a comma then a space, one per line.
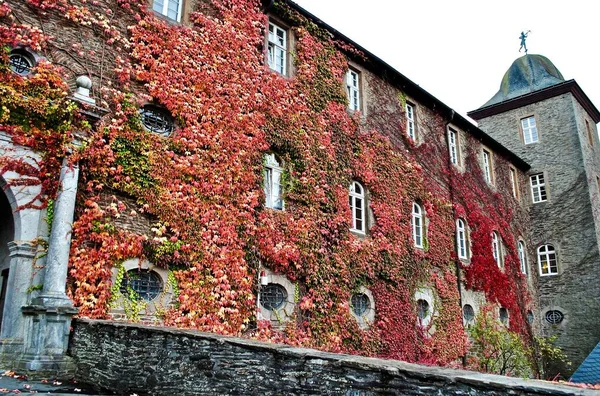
7, 234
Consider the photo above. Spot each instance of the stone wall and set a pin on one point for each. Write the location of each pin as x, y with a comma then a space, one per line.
127, 359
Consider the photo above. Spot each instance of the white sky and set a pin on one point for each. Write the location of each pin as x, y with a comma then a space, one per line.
458, 50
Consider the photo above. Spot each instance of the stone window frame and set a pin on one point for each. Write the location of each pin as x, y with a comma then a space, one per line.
487, 166
547, 253
277, 317
411, 121
365, 320
513, 176
540, 187
274, 167
465, 231
165, 10
288, 65
522, 253
523, 128
151, 308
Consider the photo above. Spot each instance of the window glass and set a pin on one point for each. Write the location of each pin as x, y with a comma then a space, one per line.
538, 188
487, 166
547, 260
529, 128
417, 225
461, 239
410, 121
277, 49
272, 182
357, 206
522, 257
353, 90
141, 284
452, 146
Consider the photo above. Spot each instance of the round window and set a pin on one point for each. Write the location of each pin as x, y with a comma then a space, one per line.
20, 63
503, 315
141, 284
422, 309
360, 303
273, 296
468, 313
554, 317
157, 120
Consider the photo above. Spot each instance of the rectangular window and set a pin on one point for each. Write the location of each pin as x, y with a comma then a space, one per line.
487, 166
598, 184
530, 134
410, 121
353, 89
453, 146
538, 188
169, 8
272, 182
589, 133
277, 50
514, 182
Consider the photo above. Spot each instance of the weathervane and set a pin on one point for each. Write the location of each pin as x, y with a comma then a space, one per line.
523, 38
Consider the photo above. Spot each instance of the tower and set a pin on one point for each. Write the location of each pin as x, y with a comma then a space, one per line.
551, 124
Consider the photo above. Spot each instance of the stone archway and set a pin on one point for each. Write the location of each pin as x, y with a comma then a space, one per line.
7, 234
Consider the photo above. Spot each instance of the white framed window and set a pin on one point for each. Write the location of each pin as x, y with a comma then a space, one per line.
496, 249
277, 48
353, 89
538, 188
453, 146
358, 207
169, 8
522, 256
461, 239
487, 166
417, 225
272, 182
529, 127
410, 122
514, 182
547, 260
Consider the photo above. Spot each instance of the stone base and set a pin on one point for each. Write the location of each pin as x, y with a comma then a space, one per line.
59, 366
10, 350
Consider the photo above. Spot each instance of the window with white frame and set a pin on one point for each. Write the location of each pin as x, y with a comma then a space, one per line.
358, 207
538, 188
410, 121
496, 249
169, 8
547, 260
353, 89
272, 182
487, 166
453, 146
277, 49
522, 256
530, 134
417, 225
461, 239
514, 182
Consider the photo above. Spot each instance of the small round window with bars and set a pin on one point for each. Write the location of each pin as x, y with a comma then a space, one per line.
157, 120
20, 62
360, 304
141, 284
554, 317
273, 296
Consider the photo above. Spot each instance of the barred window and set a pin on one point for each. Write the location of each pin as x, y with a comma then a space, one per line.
141, 284
360, 304
273, 296
157, 120
20, 62
554, 317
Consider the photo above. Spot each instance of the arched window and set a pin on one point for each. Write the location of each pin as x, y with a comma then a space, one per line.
417, 225
468, 314
272, 182
157, 120
461, 239
547, 260
503, 314
21, 61
522, 257
496, 248
357, 205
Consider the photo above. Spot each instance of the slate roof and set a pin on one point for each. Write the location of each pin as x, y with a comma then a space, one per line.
589, 371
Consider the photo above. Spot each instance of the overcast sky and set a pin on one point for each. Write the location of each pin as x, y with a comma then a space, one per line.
458, 50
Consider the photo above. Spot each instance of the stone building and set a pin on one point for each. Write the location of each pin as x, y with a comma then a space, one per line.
551, 124
471, 206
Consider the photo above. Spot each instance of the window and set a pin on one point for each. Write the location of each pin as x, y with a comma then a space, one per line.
422, 310
522, 256
273, 296
554, 317
277, 49
21, 62
360, 304
352, 86
496, 251
514, 182
357, 205
538, 188
410, 122
503, 314
530, 134
530, 317
461, 239
141, 284
453, 146
273, 188
547, 260
157, 120
169, 8
417, 225
589, 133
468, 314
487, 166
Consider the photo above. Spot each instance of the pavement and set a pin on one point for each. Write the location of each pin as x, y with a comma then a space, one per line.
15, 384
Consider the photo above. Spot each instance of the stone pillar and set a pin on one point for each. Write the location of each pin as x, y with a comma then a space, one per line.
49, 315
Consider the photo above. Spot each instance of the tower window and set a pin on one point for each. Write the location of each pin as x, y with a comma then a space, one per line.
529, 127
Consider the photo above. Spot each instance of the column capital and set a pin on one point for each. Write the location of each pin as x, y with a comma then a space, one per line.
26, 249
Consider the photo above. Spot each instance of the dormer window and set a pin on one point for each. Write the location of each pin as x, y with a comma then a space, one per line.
21, 62
157, 120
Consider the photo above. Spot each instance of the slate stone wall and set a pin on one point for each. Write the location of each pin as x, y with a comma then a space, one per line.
139, 359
